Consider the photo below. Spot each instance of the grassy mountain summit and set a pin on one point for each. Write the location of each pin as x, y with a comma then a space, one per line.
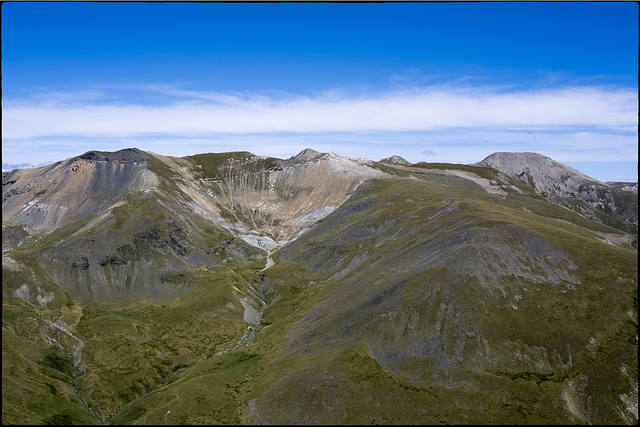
238, 289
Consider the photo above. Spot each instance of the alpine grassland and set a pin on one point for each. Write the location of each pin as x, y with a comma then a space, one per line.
232, 289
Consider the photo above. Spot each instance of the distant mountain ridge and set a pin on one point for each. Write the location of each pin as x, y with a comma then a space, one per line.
9, 166
626, 186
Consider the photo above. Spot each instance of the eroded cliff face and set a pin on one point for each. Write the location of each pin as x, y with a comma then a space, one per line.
270, 202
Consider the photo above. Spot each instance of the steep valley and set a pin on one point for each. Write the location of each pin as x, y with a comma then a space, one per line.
317, 290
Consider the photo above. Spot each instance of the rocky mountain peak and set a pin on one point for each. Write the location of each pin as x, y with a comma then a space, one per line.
395, 160
555, 179
540, 172
307, 155
56, 193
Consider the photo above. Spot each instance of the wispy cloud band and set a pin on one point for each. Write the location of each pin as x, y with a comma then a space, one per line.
452, 124
418, 110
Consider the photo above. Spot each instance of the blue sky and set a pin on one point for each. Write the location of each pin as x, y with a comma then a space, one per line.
449, 82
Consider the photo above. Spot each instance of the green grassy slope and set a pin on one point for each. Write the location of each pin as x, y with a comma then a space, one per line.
430, 301
123, 301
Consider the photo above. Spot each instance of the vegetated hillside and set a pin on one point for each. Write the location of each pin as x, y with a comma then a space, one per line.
238, 289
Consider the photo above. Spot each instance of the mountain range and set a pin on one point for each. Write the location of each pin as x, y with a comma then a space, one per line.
10, 166
229, 288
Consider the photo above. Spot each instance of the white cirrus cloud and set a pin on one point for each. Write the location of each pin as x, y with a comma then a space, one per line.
191, 113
